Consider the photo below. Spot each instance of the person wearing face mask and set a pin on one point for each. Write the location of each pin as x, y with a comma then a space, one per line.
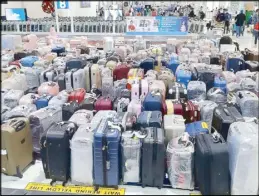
240, 20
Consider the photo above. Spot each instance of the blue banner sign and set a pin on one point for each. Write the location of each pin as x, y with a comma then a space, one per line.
62, 5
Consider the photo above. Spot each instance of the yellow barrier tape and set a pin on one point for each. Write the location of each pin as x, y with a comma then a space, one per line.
73, 189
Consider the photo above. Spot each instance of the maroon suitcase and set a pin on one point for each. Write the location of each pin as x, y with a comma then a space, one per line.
121, 72
164, 108
191, 112
103, 103
174, 107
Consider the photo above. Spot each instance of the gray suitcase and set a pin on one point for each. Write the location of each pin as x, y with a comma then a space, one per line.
12, 97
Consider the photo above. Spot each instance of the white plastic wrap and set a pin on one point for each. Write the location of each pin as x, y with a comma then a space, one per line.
229, 76
242, 143
20, 110
12, 97
233, 87
119, 85
196, 90
180, 162
81, 156
16, 82
82, 117
29, 98
217, 95
244, 74
32, 76
59, 99
101, 115
248, 84
108, 44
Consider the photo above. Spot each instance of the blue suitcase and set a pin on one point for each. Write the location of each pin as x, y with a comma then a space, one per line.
172, 65
183, 77
221, 83
163, 62
106, 155
235, 64
196, 128
152, 102
59, 50
75, 63
147, 64
149, 119
28, 61
43, 101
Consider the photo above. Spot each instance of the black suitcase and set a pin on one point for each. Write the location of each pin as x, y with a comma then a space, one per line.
252, 65
55, 151
68, 109
225, 40
20, 55
87, 104
31, 90
61, 82
206, 76
215, 60
212, 164
84, 49
176, 91
153, 158
223, 117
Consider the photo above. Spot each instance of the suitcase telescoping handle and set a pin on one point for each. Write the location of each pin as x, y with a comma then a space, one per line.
217, 138
18, 125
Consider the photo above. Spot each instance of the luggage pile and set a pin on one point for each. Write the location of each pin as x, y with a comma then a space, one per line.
133, 115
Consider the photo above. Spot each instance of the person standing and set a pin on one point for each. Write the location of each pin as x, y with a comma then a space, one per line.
240, 20
227, 18
255, 21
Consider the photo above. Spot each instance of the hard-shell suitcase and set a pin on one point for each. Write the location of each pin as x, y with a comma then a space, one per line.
77, 95
135, 107
48, 88
220, 82
43, 101
174, 126
47, 75
191, 112
149, 119
174, 107
121, 72
131, 158
75, 63
103, 103
61, 82
59, 99
153, 157
19, 111
29, 98
180, 162
79, 79
235, 64
158, 85
139, 89
81, 146
28, 61
87, 70
176, 91
69, 79
106, 154
55, 151
81, 117
243, 154
12, 97
88, 103
223, 117
196, 91
248, 103
96, 76
207, 76
58, 50
183, 76
16, 146
102, 114
153, 101
147, 64
196, 128
121, 104
212, 178
68, 109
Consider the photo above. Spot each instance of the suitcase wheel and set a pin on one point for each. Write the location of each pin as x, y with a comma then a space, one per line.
143, 186
33, 162
18, 172
64, 183
53, 182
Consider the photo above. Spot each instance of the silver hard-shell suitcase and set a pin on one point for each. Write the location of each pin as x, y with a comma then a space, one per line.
82, 117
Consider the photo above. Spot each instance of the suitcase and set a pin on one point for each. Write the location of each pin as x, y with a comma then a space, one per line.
153, 156
229, 76
103, 103
96, 77
102, 114
235, 64
174, 126
87, 70
79, 79
4, 110
213, 178
158, 86
248, 84
176, 91
191, 112
174, 107
87, 103
58, 50
251, 55
135, 107
81, 146
240, 75
48, 88
183, 77
204, 59
50, 57
77, 95
207, 76
147, 64
125, 120
180, 154
248, 103
43, 101
60, 99
220, 82
196, 91
22, 54
152, 102
107, 87
61, 82
16, 146
32, 76
9, 71
166, 76
47, 75
131, 158
55, 151
139, 89
135, 73
33, 90
19, 111
217, 95
196, 128
16, 82
241, 136
28, 61
81, 117
12, 97
149, 119
223, 117
11, 42
106, 157
75, 63
215, 60
121, 104
121, 72
252, 65
68, 109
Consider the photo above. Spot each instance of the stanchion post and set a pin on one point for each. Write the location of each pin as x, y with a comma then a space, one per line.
56, 15
71, 17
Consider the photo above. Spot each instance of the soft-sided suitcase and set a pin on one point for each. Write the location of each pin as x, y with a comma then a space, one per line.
220, 82
103, 103
149, 119
131, 157
81, 117
153, 101
12, 97
147, 64
183, 76
222, 119
81, 146
68, 109
106, 155
212, 164
28, 61
16, 146
196, 91
55, 151
121, 72
235, 64
243, 154
252, 65
58, 50
176, 91
48, 88
77, 95
179, 155
43, 101
174, 126
153, 158
191, 112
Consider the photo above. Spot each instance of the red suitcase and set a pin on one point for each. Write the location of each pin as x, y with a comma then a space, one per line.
77, 95
191, 112
121, 72
16, 63
164, 108
103, 103
174, 107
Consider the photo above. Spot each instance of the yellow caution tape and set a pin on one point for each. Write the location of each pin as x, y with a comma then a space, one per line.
195, 194
73, 189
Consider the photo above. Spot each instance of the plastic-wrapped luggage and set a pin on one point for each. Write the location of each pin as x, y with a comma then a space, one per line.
135, 107
248, 84
233, 87
183, 76
75, 63
12, 97
68, 109
81, 117
15, 82
153, 158
243, 156
248, 103
28, 61
55, 151
106, 156
81, 146
43, 101
20, 111
240, 75
158, 86
32, 76
212, 148
180, 162
131, 156
11, 42
235, 64
59, 99
196, 91
217, 95
139, 89
29, 98
166, 76
48, 88
102, 114
149, 119
220, 82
